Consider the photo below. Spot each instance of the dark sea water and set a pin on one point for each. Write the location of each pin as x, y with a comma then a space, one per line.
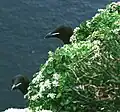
23, 25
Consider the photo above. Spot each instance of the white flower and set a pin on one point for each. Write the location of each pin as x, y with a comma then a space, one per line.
96, 45
56, 76
116, 31
40, 75
96, 49
76, 29
47, 84
72, 38
34, 97
51, 95
40, 95
81, 87
42, 87
45, 111
96, 15
49, 60
46, 62
100, 10
55, 83
38, 78
88, 24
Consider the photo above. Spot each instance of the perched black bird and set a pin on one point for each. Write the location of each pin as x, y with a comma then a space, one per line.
21, 83
63, 33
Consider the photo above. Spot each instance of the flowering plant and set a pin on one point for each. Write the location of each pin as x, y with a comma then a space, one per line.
85, 75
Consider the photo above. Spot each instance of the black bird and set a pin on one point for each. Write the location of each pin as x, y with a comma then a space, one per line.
62, 32
21, 83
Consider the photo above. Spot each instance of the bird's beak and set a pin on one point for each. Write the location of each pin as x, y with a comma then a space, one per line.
49, 35
15, 86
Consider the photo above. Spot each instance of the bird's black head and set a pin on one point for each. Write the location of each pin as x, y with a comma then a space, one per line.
63, 33
21, 83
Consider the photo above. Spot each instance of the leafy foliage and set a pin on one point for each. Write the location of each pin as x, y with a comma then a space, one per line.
85, 75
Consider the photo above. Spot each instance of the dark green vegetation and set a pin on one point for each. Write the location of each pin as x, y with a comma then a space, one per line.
83, 76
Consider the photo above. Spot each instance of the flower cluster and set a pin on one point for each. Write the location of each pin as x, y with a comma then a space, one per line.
73, 37
45, 86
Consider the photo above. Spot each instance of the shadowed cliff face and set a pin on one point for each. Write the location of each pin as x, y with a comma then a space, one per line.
23, 25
